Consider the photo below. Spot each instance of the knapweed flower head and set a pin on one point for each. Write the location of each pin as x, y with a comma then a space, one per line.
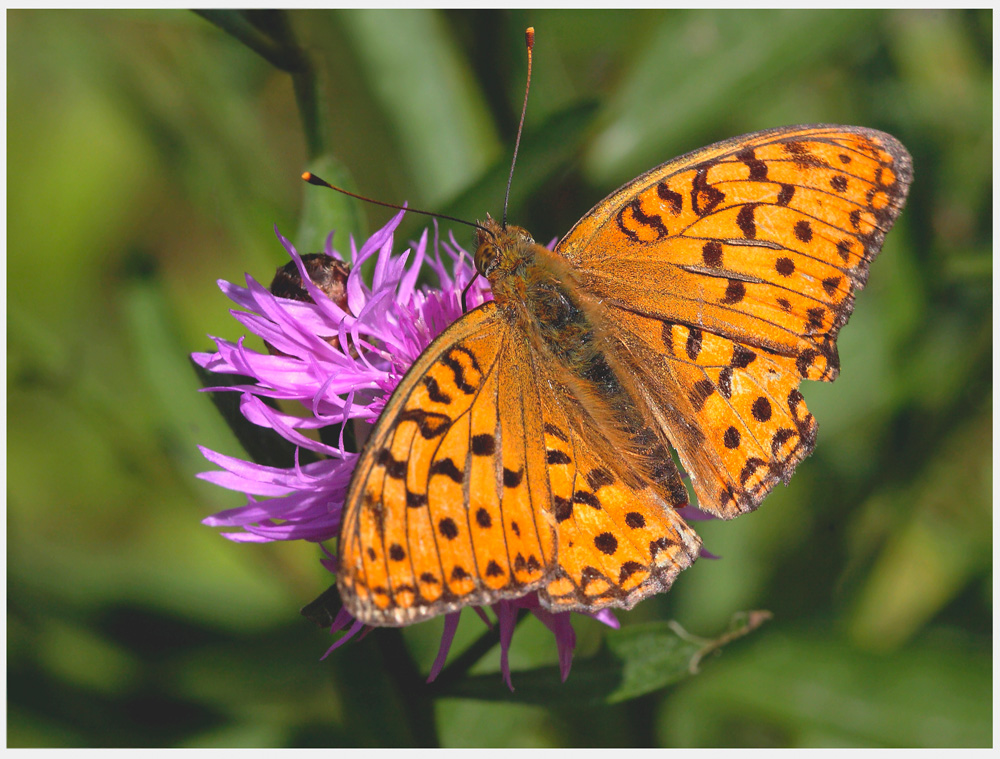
339, 348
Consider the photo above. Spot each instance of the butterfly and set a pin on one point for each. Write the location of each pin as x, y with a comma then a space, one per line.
528, 449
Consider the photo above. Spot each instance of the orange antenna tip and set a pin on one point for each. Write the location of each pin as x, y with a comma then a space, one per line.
529, 37
313, 179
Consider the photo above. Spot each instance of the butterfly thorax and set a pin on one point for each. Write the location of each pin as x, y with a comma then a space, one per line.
538, 291
535, 289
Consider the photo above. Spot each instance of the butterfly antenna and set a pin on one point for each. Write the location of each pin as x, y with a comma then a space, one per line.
529, 42
311, 178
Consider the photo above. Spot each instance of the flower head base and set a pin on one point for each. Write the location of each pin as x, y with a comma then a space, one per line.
340, 349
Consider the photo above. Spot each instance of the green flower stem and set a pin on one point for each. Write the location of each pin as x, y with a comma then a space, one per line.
409, 683
269, 34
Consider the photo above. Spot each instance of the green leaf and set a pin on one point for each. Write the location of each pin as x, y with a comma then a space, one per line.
634, 661
800, 688
428, 94
942, 544
237, 24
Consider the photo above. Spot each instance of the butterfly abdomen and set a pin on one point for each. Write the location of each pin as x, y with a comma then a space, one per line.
557, 316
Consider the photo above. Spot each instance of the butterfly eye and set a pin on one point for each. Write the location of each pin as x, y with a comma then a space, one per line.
487, 258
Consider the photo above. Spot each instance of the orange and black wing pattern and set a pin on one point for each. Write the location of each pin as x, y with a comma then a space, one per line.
440, 511
477, 485
726, 274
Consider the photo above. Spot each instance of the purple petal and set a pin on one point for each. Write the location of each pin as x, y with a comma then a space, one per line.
606, 616
694, 514
506, 616
358, 624
341, 620
409, 279
450, 626
482, 615
560, 626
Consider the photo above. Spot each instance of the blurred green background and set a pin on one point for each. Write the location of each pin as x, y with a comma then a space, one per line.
151, 153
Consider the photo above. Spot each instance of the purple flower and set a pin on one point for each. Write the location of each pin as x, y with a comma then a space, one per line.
340, 351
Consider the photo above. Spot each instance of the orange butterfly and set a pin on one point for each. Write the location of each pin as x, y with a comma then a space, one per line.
528, 449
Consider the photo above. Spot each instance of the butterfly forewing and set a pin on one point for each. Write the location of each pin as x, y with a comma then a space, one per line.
450, 504
752, 247
405, 546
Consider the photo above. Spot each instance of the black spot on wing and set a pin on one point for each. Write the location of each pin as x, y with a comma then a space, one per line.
606, 543
434, 391
555, 431
430, 424
745, 221
628, 569
735, 292
704, 197
742, 357
711, 253
758, 169
635, 520
483, 445
674, 199
693, 345
784, 266
831, 284
726, 382
447, 468
553, 456
494, 570
511, 478
651, 222
731, 438
458, 369
598, 478
562, 508
447, 528
700, 392
761, 409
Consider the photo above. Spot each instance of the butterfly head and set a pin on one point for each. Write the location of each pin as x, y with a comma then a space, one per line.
499, 250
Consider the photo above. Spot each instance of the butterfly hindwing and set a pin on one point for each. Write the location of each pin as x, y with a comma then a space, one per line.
477, 485
618, 541
736, 416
